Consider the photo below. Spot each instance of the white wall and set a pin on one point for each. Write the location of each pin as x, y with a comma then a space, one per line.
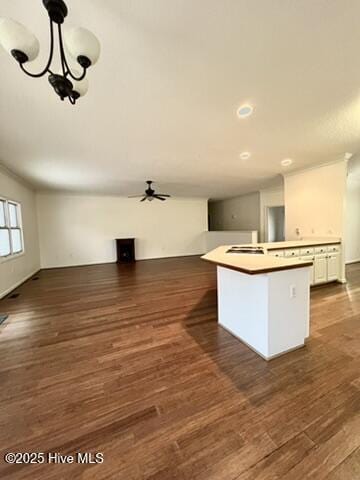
80, 229
229, 237
352, 220
315, 201
239, 213
14, 271
272, 197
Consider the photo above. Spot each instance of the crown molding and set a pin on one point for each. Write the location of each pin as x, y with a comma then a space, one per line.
314, 167
82, 193
6, 171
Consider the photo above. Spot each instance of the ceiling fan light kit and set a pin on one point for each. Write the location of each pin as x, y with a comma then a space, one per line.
150, 194
81, 44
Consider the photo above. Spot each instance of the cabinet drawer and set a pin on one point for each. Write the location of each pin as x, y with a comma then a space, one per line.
276, 253
333, 248
322, 249
292, 252
307, 251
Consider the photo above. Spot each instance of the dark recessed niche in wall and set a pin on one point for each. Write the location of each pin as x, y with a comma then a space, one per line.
125, 248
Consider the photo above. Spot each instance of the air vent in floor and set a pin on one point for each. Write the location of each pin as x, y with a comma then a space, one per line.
35, 278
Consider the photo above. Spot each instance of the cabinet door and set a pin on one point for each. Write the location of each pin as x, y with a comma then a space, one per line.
320, 269
333, 267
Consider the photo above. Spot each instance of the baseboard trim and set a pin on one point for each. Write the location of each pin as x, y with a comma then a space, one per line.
77, 265
350, 262
264, 357
17, 285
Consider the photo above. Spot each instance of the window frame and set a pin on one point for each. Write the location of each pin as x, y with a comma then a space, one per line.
19, 226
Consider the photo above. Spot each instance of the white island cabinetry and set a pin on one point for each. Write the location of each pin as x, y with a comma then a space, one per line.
262, 300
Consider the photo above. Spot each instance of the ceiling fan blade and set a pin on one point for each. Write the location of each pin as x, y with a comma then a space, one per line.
160, 198
163, 195
143, 199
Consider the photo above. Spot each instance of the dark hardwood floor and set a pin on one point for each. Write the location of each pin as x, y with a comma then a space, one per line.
129, 361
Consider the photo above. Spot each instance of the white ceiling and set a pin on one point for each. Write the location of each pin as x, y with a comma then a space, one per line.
162, 100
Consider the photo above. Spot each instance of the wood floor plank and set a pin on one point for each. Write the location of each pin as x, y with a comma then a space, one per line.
349, 469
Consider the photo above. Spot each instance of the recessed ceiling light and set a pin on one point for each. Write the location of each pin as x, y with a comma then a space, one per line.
244, 111
286, 162
245, 155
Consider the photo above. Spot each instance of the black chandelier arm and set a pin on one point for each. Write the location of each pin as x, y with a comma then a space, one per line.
62, 53
47, 67
65, 66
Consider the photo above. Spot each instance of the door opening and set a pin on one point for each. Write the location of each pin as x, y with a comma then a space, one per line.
275, 224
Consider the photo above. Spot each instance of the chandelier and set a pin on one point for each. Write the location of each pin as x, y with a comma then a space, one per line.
81, 44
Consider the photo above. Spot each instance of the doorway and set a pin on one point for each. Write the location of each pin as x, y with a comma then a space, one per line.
275, 224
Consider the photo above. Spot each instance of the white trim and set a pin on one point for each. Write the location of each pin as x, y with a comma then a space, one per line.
312, 167
272, 189
266, 218
87, 193
108, 262
349, 262
13, 287
264, 357
12, 255
6, 171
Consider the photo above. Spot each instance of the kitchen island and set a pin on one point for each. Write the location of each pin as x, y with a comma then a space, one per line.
263, 300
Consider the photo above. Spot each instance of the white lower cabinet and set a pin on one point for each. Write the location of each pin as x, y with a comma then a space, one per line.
333, 267
326, 261
320, 269
326, 268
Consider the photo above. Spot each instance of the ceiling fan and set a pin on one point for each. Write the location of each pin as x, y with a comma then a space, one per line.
150, 194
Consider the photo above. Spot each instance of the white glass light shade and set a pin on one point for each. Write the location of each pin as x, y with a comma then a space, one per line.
14, 36
81, 42
80, 87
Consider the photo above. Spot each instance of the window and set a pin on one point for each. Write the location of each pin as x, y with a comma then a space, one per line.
11, 235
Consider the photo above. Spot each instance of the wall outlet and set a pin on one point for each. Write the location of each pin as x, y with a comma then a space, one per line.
292, 291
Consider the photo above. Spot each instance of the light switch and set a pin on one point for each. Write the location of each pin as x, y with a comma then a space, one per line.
292, 291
